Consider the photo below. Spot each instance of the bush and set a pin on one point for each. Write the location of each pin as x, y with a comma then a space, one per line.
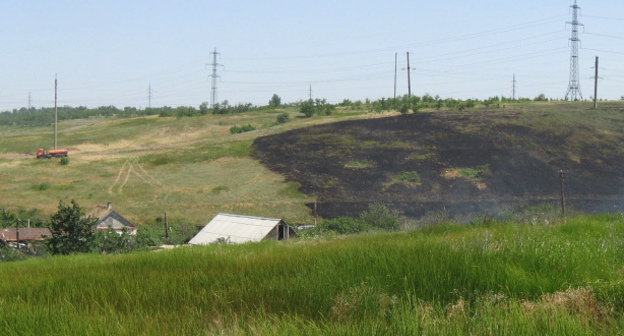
10, 254
41, 186
344, 225
243, 129
64, 161
379, 216
283, 118
110, 242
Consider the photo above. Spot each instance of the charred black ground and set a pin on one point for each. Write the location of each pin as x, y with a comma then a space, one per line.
463, 163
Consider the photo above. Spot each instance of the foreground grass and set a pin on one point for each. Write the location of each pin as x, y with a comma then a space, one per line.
501, 279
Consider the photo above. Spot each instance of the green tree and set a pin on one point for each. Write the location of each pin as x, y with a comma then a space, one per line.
275, 101
203, 108
72, 232
307, 108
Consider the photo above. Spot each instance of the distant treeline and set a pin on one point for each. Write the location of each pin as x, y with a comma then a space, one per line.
44, 116
406, 104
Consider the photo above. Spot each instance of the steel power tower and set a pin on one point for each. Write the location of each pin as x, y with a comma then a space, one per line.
574, 87
214, 76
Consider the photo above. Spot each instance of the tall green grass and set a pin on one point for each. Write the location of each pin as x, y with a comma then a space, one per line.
447, 280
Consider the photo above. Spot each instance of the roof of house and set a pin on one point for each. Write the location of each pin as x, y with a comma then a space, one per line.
235, 229
103, 212
33, 234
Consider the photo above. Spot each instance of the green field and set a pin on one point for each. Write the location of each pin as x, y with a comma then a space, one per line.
496, 279
192, 167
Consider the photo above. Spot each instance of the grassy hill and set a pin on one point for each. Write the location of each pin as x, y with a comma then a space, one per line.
497, 279
475, 161
192, 167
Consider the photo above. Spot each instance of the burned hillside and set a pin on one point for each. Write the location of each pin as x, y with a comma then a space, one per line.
463, 163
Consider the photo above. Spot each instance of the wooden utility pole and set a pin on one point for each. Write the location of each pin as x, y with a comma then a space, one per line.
562, 178
596, 84
314, 212
17, 233
395, 73
55, 111
166, 226
409, 79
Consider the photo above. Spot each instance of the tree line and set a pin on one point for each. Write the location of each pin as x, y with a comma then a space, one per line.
44, 116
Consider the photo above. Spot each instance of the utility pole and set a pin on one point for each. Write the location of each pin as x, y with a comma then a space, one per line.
149, 96
563, 207
166, 226
29, 101
513, 90
55, 111
409, 79
395, 73
214, 77
596, 84
310, 92
574, 87
315, 213
17, 220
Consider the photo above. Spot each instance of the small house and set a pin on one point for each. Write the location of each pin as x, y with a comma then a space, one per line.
25, 236
241, 229
107, 218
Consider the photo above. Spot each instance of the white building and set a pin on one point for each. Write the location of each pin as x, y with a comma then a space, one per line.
241, 229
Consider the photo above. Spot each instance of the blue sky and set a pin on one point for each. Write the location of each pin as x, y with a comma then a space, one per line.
108, 52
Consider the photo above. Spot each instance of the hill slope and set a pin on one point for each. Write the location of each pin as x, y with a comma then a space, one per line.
191, 167
461, 162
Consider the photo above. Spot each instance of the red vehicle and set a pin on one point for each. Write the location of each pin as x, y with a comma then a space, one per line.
41, 153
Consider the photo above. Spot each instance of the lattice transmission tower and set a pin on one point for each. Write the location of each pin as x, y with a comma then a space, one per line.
574, 87
214, 76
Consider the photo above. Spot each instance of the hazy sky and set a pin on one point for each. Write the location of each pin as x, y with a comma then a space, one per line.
107, 52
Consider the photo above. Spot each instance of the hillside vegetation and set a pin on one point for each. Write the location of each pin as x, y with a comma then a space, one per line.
192, 167
496, 279
195, 167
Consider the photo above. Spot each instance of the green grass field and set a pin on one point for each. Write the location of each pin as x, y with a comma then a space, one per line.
497, 279
191, 167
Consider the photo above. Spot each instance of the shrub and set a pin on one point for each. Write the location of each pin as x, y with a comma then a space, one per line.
379, 216
344, 225
41, 186
64, 161
110, 242
10, 254
243, 129
283, 118
409, 177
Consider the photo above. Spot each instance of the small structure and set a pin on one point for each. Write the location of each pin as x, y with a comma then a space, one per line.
111, 219
241, 229
25, 236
